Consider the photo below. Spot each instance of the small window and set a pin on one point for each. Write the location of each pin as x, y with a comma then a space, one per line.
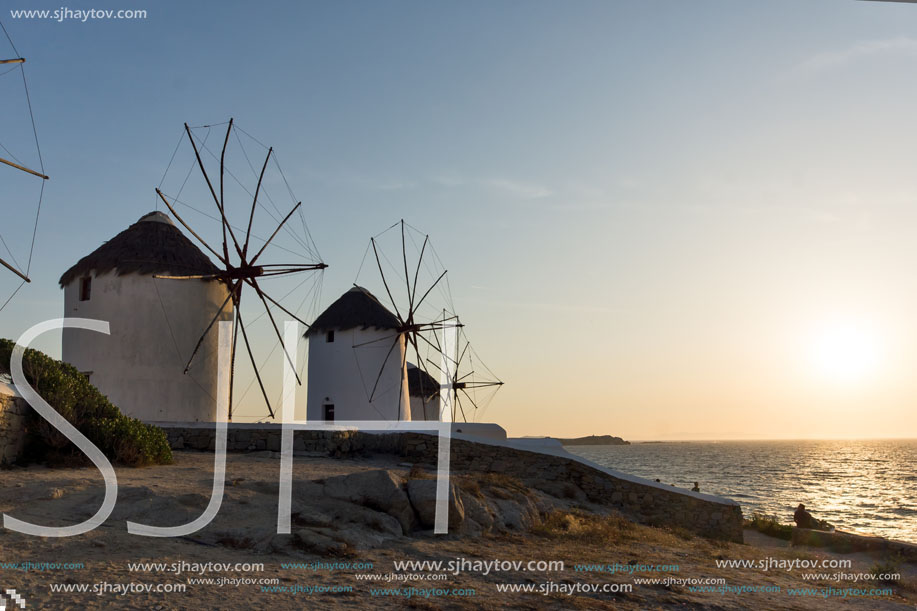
329, 412
329, 337
85, 288
87, 375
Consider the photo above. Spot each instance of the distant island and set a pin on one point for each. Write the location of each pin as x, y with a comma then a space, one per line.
594, 440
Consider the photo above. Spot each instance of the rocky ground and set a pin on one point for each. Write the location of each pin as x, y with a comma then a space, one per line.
350, 514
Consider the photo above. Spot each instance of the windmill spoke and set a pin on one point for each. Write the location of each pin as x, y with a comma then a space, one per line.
293, 270
382, 273
214, 218
277, 331
14, 270
417, 271
421, 382
292, 265
407, 278
431, 288
462, 356
217, 200
470, 398
423, 391
221, 204
251, 217
438, 368
226, 223
402, 382
194, 277
482, 364
435, 347
474, 385
15, 60
232, 358
276, 231
382, 369
223, 260
251, 282
375, 341
458, 403
251, 357
212, 321
23, 168
438, 324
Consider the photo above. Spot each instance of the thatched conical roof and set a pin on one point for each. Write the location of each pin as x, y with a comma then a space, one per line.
355, 308
421, 383
152, 245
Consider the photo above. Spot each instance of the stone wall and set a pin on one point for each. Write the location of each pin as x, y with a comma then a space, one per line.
649, 504
847, 543
646, 503
13, 412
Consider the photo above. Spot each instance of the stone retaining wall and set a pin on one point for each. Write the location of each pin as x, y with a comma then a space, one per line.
848, 543
645, 503
13, 411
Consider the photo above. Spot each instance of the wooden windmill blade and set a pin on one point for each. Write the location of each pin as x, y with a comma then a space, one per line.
14, 270
471, 377
11, 264
408, 294
23, 168
238, 268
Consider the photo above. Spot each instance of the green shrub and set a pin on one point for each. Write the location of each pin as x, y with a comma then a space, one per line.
887, 571
769, 526
124, 440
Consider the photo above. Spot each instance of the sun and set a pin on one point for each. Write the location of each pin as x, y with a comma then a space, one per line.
845, 351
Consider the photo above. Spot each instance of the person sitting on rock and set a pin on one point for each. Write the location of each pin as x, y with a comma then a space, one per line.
696, 488
804, 519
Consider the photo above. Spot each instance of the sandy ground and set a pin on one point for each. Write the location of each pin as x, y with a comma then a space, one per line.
174, 494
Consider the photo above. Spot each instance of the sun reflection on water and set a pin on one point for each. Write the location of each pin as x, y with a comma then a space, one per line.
866, 486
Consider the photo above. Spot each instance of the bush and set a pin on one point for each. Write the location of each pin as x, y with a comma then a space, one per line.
769, 526
124, 440
887, 571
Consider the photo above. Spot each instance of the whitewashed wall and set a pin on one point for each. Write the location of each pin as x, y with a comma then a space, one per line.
342, 373
155, 325
428, 411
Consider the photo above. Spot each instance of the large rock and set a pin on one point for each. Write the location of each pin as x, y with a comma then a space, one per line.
422, 493
318, 541
517, 514
378, 489
478, 518
351, 515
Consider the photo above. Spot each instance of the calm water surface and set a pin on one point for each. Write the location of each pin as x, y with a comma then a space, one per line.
868, 486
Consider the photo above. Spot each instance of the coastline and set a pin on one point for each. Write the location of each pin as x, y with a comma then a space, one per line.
859, 486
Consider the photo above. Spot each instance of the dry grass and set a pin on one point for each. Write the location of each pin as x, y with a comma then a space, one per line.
607, 530
418, 472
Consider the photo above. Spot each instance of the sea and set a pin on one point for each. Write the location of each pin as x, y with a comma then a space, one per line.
868, 487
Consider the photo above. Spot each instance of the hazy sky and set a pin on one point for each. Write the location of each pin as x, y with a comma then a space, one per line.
661, 219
